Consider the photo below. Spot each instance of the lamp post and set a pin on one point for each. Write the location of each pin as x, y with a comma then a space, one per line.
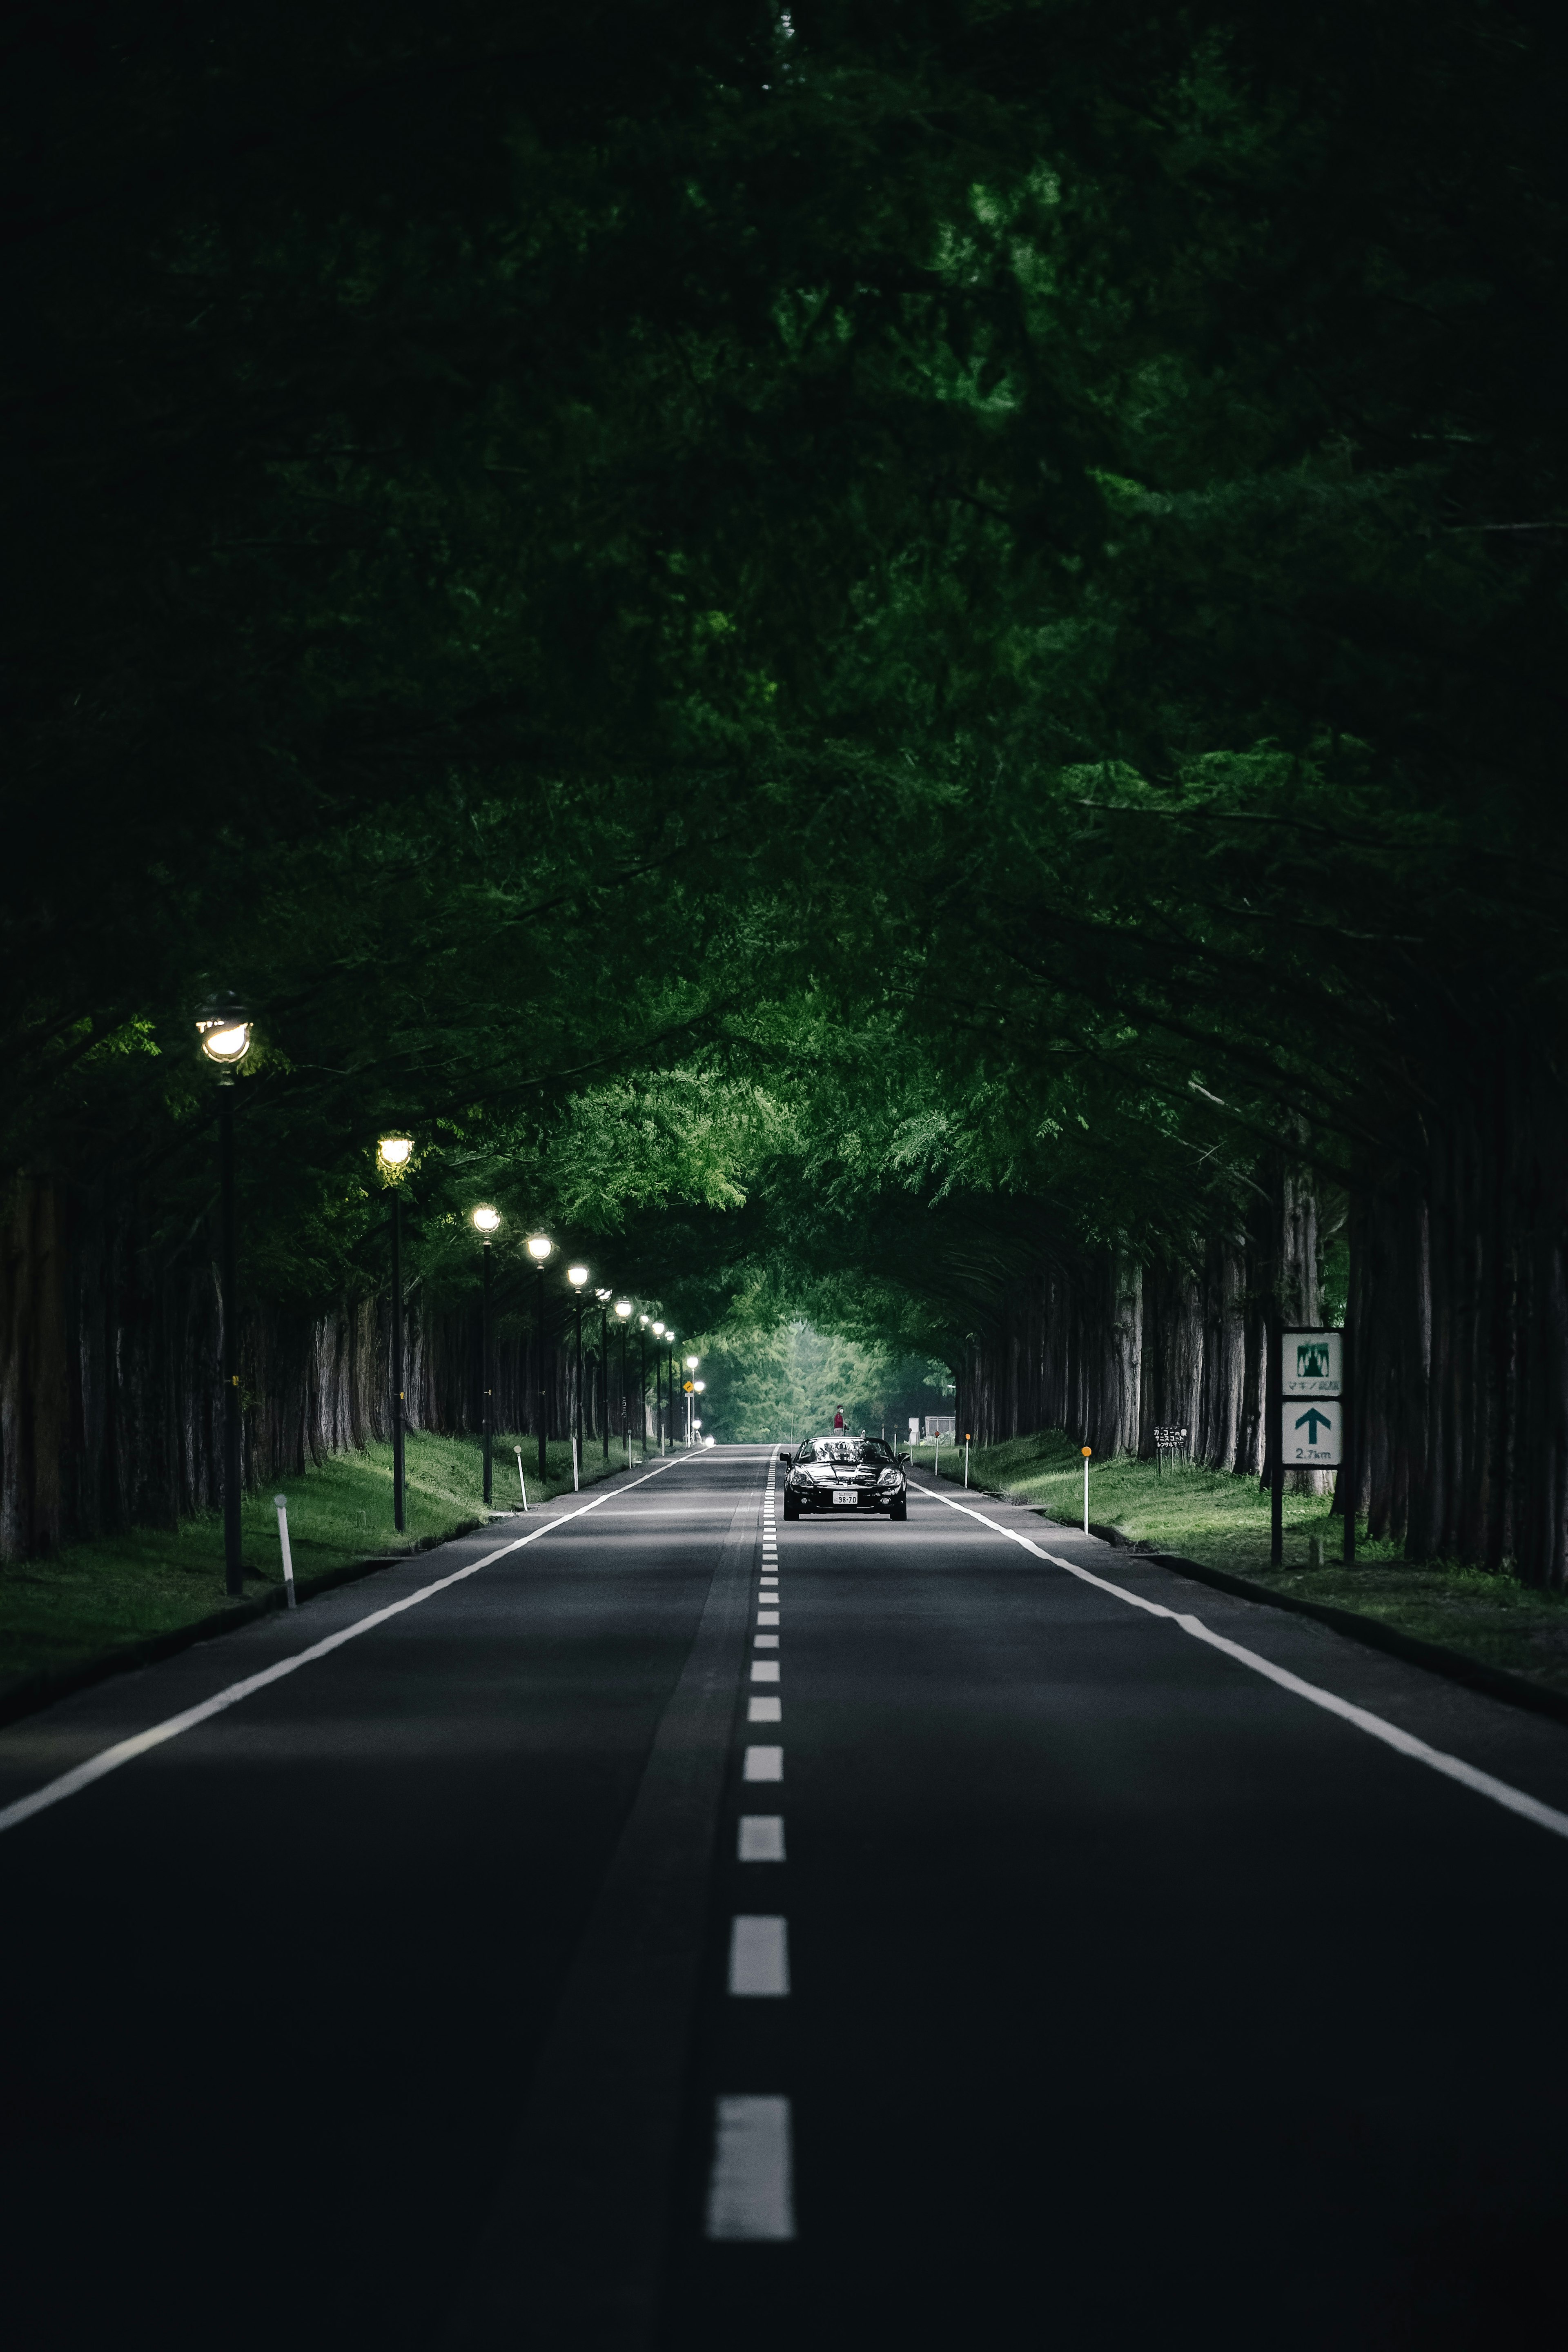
394, 1152
697, 1389
485, 1222
670, 1382
604, 1297
577, 1276
223, 1024
624, 1311
658, 1390
691, 1364
539, 1248
642, 1400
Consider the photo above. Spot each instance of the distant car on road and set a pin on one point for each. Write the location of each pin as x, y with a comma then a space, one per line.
839, 1473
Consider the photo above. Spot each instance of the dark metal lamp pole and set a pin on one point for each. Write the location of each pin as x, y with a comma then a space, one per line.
395, 1151
577, 1276
223, 1024
485, 1223
539, 1248
604, 1297
624, 1310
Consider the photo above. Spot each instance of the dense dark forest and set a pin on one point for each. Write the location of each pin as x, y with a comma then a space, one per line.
902, 659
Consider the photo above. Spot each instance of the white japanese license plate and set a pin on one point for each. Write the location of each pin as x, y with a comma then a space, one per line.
844, 1494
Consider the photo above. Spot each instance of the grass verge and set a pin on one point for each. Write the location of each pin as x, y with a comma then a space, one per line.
1223, 1522
64, 1615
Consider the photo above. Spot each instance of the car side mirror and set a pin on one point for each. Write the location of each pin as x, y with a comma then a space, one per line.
787, 1459
903, 1461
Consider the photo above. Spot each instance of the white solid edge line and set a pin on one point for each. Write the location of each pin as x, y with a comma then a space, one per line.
1403, 1743
125, 1751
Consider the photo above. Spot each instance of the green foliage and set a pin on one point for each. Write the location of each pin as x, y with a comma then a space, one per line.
775, 1381
837, 657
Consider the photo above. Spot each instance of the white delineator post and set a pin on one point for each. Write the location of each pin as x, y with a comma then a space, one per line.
966, 1461
520, 1479
575, 1485
280, 1504
936, 1457
1087, 1451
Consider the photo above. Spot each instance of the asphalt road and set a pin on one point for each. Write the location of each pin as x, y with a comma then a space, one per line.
1085, 1985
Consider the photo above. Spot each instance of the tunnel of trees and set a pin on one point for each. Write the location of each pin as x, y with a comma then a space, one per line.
901, 664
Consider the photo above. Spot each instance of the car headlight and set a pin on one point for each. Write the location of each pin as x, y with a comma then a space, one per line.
889, 1478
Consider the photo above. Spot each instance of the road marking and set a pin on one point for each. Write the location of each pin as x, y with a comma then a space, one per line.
764, 1710
125, 1751
764, 1670
1403, 1743
767, 1616
762, 1837
751, 2190
764, 1763
765, 1641
759, 1956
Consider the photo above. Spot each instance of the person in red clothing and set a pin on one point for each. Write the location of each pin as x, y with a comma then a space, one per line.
838, 1416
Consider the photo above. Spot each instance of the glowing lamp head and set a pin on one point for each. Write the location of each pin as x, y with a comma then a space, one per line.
576, 1275
692, 1362
659, 1330
623, 1309
223, 1024
539, 1247
485, 1220
700, 1386
394, 1152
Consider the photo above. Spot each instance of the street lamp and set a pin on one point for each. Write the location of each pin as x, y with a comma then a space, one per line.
657, 1330
604, 1297
624, 1311
485, 1222
691, 1364
539, 1248
393, 1152
577, 1276
223, 1024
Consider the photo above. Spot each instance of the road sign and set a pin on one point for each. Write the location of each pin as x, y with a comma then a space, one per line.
1312, 1431
1311, 1364
688, 1386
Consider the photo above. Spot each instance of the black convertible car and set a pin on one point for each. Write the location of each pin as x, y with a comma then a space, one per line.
845, 1474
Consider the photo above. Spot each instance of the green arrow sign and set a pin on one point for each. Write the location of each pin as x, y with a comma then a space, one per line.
1308, 1421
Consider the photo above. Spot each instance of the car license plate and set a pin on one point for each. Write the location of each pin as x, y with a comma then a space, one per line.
842, 1494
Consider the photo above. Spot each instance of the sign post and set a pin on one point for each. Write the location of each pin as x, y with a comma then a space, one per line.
1086, 1451
1346, 1480
1310, 1414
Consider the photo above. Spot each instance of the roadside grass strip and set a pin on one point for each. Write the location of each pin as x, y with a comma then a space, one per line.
126, 1751
1403, 1743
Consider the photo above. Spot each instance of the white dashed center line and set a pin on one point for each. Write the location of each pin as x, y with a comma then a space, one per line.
764, 1670
767, 1616
764, 1710
764, 1763
765, 1641
759, 1956
751, 2191
762, 1837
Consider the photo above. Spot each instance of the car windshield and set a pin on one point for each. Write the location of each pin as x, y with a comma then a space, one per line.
846, 1451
